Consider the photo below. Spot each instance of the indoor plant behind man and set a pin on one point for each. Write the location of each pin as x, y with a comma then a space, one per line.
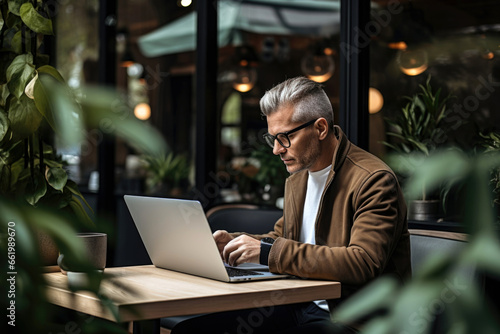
344, 214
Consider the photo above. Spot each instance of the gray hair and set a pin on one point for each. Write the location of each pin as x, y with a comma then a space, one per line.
307, 97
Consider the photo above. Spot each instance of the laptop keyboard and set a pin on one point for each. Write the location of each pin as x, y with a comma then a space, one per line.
233, 272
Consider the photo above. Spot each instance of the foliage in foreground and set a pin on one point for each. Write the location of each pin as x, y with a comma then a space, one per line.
416, 306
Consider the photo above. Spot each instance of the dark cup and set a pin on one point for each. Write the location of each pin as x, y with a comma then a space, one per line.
95, 245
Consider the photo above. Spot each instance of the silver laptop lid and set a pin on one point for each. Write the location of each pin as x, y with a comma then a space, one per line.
177, 236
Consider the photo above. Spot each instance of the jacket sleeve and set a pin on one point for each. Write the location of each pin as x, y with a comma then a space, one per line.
377, 206
278, 232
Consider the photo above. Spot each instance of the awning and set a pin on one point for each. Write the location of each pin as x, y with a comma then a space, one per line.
273, 17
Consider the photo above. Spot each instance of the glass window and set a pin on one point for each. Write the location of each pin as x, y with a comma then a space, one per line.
453, 44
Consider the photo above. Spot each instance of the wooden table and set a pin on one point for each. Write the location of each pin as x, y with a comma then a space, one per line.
144, 292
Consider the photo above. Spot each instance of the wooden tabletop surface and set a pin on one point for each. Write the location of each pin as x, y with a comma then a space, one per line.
146, 292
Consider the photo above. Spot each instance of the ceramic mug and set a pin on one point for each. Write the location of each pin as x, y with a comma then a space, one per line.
95, 245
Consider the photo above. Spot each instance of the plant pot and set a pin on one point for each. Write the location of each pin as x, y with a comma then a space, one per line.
421, 210
47, 248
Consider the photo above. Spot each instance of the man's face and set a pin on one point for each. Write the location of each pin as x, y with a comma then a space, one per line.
304, 150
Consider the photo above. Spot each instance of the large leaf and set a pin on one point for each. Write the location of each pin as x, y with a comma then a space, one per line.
15, 6
35, 21
56, 177
110, 112
80, 212
24, 116
50, 70
73, 188
40, 93
432, 172
19, 73
99, 108
59, 107
4, 124
36, 188
16, 43
375, 297
1, 19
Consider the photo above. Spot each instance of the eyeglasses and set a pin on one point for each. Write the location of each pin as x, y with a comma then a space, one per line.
282, 137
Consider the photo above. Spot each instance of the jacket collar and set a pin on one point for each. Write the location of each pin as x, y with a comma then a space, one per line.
296, 184
341, 150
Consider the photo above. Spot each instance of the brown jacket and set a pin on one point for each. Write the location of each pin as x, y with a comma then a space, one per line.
361, 227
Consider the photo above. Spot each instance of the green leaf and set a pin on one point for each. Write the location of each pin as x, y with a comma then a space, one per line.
34, 20
42, 102
80, 212
433, 171
40, 93
110, 112
50, 70
16, 42
1, 19
19, 73
58, 105
484, 252
15, 6
56, 177
36, 188
24, 117
73, 188
4, 124
376, 296
60, 229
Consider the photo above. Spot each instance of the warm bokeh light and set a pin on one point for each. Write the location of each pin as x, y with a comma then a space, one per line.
126, 63
245, 79
318, 68
375, 100
184, 3
328, 51
397, 45
142, 111
488, 55
320, 78
412, 62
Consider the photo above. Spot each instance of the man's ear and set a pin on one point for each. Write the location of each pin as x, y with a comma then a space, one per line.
321, 126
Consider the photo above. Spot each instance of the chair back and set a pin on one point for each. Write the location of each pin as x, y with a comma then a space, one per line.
243, 218
427, 243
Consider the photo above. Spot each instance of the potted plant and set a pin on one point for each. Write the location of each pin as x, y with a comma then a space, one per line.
36, 194
417, 131
167, 175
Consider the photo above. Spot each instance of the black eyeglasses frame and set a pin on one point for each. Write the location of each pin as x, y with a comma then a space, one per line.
269, 138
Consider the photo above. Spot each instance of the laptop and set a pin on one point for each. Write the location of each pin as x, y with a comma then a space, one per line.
177, 236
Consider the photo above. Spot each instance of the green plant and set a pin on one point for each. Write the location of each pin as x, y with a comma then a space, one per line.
169, 170
418, 130
272, 171
418, 127
35, 192
491, 145
392, 308
29, 166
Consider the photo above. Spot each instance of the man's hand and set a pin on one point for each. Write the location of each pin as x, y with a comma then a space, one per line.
221, 239
241, 250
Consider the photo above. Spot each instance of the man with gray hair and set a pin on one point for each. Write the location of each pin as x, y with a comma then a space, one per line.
344, 216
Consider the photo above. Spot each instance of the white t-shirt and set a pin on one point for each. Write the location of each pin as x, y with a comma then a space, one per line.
315, 186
